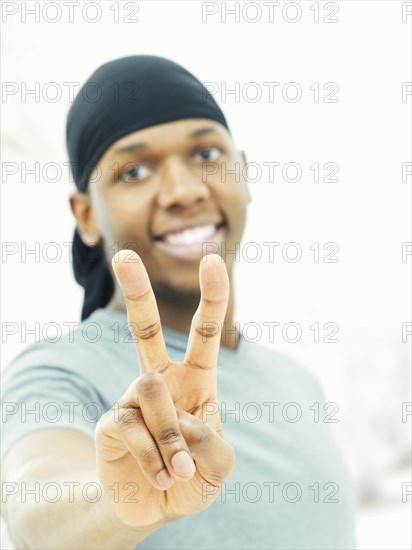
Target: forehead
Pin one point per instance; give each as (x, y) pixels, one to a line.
(168, 135)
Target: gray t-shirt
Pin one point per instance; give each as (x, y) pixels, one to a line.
(289, 488)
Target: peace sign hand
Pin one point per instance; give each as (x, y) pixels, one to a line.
(162, 448)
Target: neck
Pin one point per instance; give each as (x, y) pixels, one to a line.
(177, 315)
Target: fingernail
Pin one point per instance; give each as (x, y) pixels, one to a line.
(183, 465)
(164, 480)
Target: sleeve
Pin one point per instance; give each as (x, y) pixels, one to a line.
(37, 397)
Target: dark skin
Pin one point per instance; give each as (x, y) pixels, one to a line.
(159, 453)
(165, 185)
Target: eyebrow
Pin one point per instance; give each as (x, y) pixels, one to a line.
(138, 146)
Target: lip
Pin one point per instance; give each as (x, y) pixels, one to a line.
(197, 223)
(194, 252)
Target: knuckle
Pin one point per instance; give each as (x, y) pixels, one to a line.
(196, 365)
(149, 383)
(167, 436)
(146, 331)
(102, 425)
(213, 302)
(207, 330)
(200, 435)
(147, 454)
(138, 296)
(129, 418)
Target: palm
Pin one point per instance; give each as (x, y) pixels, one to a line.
(192, 391)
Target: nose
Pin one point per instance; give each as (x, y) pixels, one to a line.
(181, 186)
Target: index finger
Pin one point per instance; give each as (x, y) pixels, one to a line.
(142, 311)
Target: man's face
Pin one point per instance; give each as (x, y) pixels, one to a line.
(172, 192)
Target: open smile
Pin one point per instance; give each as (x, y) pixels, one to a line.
(193, 242)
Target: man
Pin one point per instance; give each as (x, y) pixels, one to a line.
(185, 447)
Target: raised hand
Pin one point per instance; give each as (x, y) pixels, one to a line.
(161, 453)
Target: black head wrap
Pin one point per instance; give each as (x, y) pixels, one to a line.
(120, 97)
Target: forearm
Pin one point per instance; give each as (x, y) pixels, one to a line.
(73, 521)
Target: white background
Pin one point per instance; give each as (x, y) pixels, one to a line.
(367, 133)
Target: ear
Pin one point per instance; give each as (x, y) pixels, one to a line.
(249, 198)
(86, 224)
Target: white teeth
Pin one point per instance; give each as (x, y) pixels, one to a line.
(191, 236)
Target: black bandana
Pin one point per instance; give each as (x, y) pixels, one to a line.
(120, 97)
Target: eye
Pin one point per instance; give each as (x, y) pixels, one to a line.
(135, 172)
(210, 154)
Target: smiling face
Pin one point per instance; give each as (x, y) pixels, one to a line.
(172, 192)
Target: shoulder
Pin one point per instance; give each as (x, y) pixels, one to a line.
(88, 354)
(61, 347)
(58, 351)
